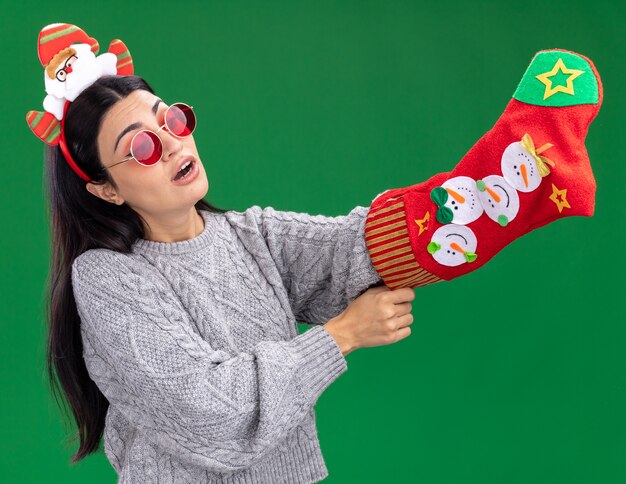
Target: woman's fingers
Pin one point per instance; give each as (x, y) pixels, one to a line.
(403, 333)
(404, 320)
(398, 296)
(403, 308)
(379, 316)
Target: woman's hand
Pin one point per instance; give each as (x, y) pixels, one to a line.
(379, 316)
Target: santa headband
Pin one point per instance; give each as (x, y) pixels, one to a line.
(68, 56)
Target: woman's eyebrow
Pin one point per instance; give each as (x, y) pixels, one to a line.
(156, 106)
(132, 126)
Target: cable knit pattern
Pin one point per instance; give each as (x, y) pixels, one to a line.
(196, 348)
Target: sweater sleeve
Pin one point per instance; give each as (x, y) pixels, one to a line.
(323, 261)
(212, 409)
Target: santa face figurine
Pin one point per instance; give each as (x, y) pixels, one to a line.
(70, 72)
(71, 64)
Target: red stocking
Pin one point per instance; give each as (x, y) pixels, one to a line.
(530, 169)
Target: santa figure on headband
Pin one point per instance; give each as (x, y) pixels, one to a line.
(71, 64)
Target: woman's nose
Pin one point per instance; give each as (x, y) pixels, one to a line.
(171, 144)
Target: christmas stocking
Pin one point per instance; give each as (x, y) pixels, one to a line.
(531, 168)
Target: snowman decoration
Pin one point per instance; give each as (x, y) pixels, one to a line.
(522, 168)
(522, 165)
(453, 245)
(457, 201)
(499, 199)
(68, 56)
(461, 200)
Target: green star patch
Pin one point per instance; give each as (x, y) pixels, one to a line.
(557, 78)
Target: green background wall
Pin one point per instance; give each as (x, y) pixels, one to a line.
(317, 107)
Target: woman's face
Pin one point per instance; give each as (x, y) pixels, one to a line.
(149, 190)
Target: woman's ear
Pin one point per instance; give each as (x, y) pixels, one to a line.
(105, 191)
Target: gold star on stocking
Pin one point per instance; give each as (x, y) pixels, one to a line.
(423, 223)
(558, 197)
(544, 78)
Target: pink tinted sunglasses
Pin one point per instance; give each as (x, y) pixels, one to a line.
(146, 148)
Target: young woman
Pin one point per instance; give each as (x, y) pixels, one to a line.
(173, 323)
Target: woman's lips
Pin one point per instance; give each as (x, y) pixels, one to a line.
(180, 164)
(191, 176)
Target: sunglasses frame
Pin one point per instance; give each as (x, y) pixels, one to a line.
(131, 157)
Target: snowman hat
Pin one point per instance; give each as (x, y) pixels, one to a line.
(56, 44)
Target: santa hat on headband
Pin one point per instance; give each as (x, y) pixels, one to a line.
(54, 38)
(68, 56)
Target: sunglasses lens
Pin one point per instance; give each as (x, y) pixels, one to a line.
(180, 119)
(146, 148)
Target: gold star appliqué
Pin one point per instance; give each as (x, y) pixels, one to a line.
(423, 223)
(562, 201)
(544, 78)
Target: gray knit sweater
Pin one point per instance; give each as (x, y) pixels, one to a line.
(196, 348)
